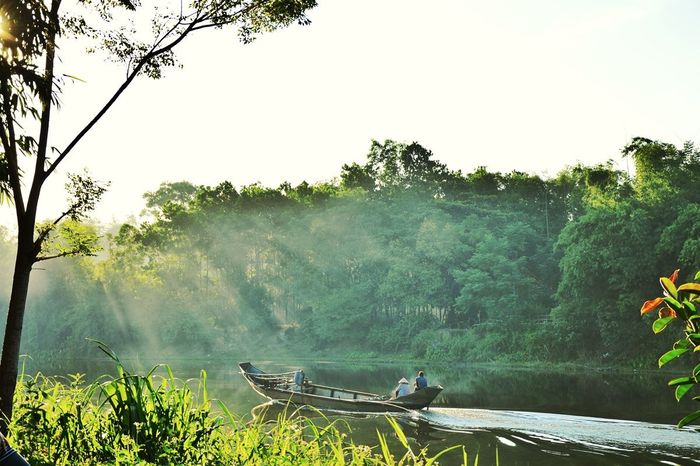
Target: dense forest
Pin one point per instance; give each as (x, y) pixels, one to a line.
(398, 256)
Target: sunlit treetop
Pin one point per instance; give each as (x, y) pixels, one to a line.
(8, 43)
(23, 27)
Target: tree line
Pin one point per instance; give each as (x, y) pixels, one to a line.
(400, 255)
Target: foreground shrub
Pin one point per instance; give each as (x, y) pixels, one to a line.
(680, 306)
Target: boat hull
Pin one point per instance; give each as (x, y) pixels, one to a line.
(332, 398)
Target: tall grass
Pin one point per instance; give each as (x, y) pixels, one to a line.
(158, 419)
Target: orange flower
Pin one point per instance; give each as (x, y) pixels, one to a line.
(674, 276)
(667, 312)
(651, 305)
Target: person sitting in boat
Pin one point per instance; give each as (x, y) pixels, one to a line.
(402, 389)
(299, 380)
(421, 382)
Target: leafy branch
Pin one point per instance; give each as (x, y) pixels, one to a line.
(679, 304)
(72, 238)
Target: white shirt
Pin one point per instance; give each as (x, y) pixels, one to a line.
(402, 389)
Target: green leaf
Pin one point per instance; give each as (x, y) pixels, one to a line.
(74, 78)
(689, 418)
(696, 371)
(668, 285)
(682, 389)
(660, 324)
(697, 276)
(399, 432)
(682, 344)
(673, 303)
(679, 381)
(690, 306)
(385, 449)
(690, 288)
(434, 458)
(671, 355)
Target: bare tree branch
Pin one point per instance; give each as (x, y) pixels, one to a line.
(60, 254)
(142, 62)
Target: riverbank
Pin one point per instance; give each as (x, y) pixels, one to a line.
(539, 365)
(97, 364)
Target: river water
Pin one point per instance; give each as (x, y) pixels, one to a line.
(507, 416)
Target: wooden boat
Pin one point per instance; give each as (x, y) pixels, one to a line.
(281, 387)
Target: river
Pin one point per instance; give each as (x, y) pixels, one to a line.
(520, 416)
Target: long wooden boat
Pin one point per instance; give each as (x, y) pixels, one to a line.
(281, 387)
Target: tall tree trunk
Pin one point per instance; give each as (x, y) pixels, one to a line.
(13, 331)
(27, 248)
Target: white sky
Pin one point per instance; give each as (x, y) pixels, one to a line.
(534, 86)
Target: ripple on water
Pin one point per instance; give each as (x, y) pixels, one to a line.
(587, 434)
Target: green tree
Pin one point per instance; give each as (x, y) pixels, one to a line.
(663, 171)
(601, 267)
(357, 176)
(179, 193)
(397, 166)
(30, 84)
(615, 219)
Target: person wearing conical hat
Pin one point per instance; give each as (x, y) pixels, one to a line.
(403, 388)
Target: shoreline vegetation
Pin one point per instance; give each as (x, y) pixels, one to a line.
(377, 359)
(159, 419)
(399, 255)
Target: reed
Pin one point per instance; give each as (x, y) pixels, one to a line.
(158, 419)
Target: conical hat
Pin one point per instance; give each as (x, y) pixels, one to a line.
(403, 380)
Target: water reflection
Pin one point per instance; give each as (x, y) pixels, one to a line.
(421, 431)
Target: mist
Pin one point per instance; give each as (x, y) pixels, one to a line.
(400, 256)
